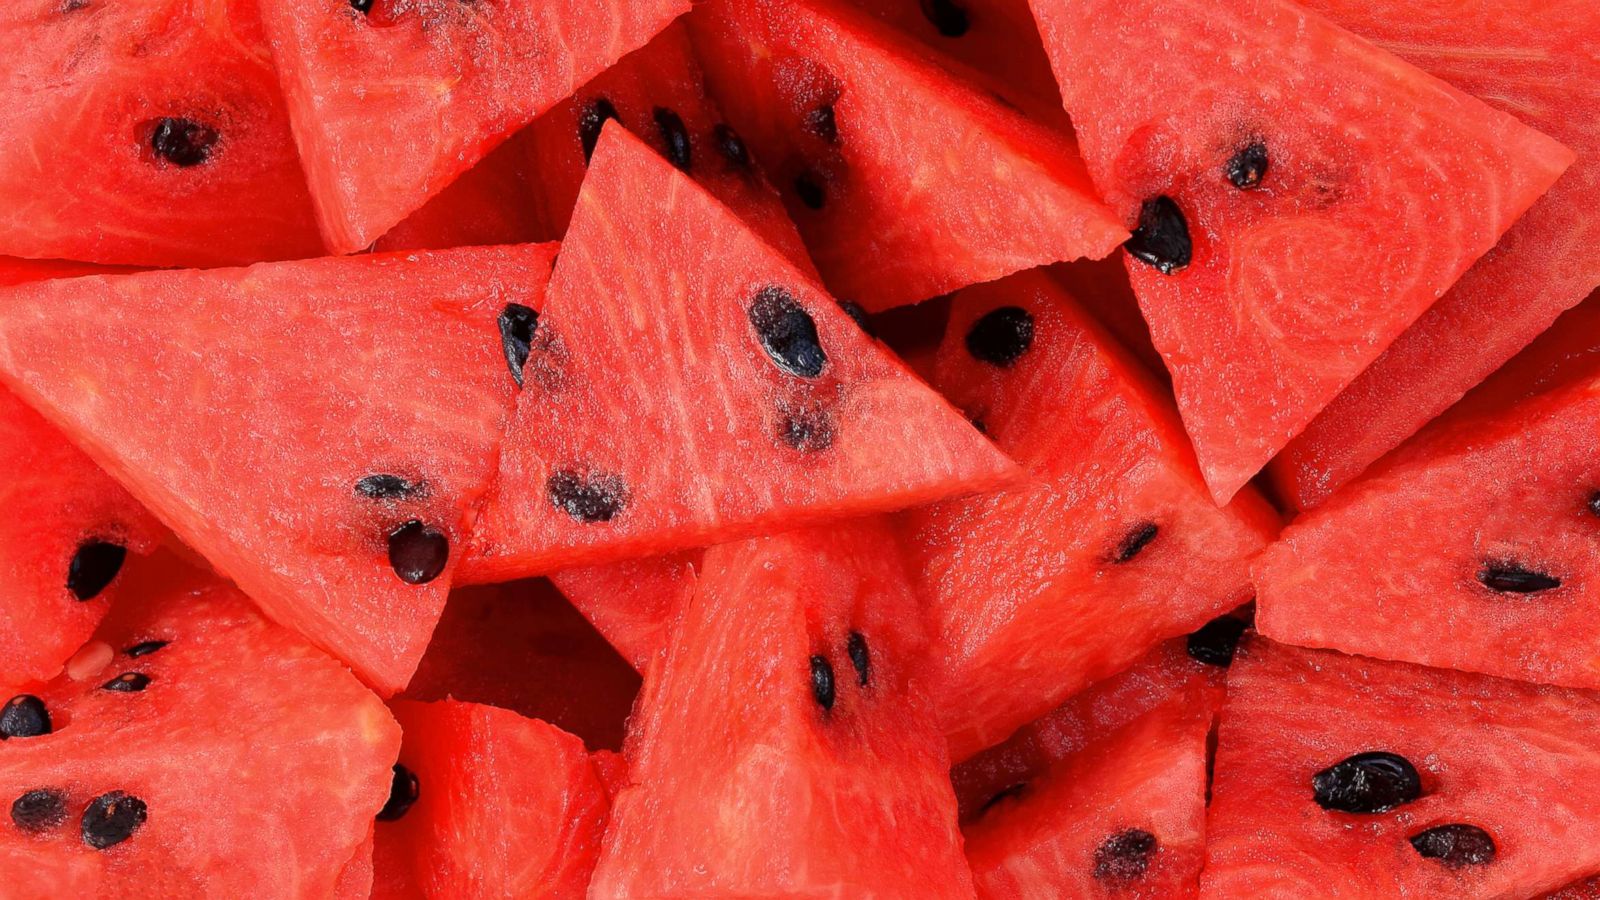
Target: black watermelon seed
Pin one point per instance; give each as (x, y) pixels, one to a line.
(73, 5)
(788, 332)
(112, 818)
(1246, 168)
(675, 137)
(1162, 237)
(1124, 857)
(93, 568)
(403, 791)
(517, 325)
(128, 683)
(1594, 503)
(1001, 336)
(860, 657)
(731, 146)
(1134, 542)
(1002, 796)
(857, 315)
(183, 142)
(1511, 578)
(418, 552)
(807, 185)
(39, 810)
(145, 648)
(1456, 845)
(588, 499)
(386, 487)
(807, 430)
(590, 121)
(822, 681)
(1372, 782)
(821, 122)
(361, 6)
(24, 716)
(1216, 641)
(946, 17)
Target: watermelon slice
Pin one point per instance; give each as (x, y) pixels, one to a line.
(491, 203)
(906, 182)
(1342, 776)
(520, 646)
(1111, 547)
(148, 133)
(1101, 286)
(1123, 817)
(334, 487)
(782, 747)
(355, 880)
(21, 271)
(500, 806)
(1300, 198)
(390, 100)
(663, 295)
(171, 766)
(1540, 66)
(632, 602)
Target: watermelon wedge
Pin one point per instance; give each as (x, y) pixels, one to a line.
(205, 734)
(355, 880)
(1540, 66)
(1113, 544)
(390, 100)
(149, 133)
(1426, 783)
(906, 181)
(1299, 198)
(662, 294)
(500, 806)
(632, 602)
(782, 747)
(491, 203)
(336, 486)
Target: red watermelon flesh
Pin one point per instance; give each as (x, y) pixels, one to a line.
(1472, 547)
(491, 203)
(782, 747)
(148, 133)
(631, 602)
(1587, 889)
(1540, 66)
(906, 181)
(1302, 197)
(332, 485)
(1124, 817)
(658, 93)
(688, 386)
(21, 271)
(520, 646)
(355, 879)
(1112, 546)
(391, 104)
(1101, 286)
(505, 807)
(235, 735)
(1516, 761)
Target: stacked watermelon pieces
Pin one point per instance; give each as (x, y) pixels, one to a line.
(796, 448)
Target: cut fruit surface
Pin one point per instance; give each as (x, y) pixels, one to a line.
(632, 602)
(1300, 197)
(491, 203)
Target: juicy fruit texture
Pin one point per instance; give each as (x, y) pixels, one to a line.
(64, 537)
(1514, 760)
(1124, 817)
(1269, 289)
(781, 745)
(520, 646)
(436, 83)
(1112, 546)
(22, 271)
(752, 401)
(246, 737)
(658, 93)
(491, 203)
(1538, 65)
(336, 485)
(1101, 286)
(1472, 547)
(505, 807)
(632, 602)
(906, 182)
(148, 133)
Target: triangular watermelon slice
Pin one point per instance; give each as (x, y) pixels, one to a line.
(205, 737)
(392, 99)
(1112, 546)
(491, 203)
(149, 133)
(686, 385)
(335, 486)
(632, 602)
(1540, 66)
(782, 747)
(1349, 777)
(906, 181)
(1299, 196)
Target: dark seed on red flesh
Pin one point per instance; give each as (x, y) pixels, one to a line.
(93, 568)
(807, 430)
(387, 487)
(1371, 782)
(822, 681)
(1001, 336)
(787, 332)
(417, 552)
(39, 810)
(587, 498)
(361, 6)
(821, 122)
(404, 790)
(144, 648)
(112, 818)
(1247, 167)
(1134, 542)
(1124, 857)
(1594, 503)
(68, 6)
(674, 137)
(24, 716)
(590, 121)
(517, 325)
(857, 315)
(946, 17)
(731, 146)
(128, 683)
(810, 190)
(860, 657)
(1455, 846)
(1511, 578)
(1216, 641)
(1162, 236)
(183, 142)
